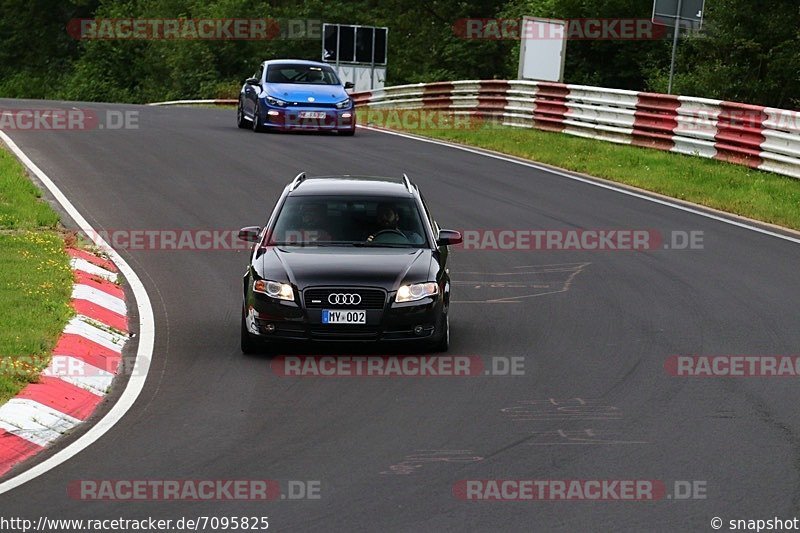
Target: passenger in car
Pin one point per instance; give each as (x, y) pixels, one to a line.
(313, 223)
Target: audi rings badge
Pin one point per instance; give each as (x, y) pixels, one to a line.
(343, 298)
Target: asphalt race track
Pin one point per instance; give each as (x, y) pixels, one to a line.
(595, 329)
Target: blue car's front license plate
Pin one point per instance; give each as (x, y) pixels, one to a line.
(312, 114)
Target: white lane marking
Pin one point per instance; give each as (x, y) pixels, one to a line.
(79, 263)
(144, 354)
(34, 421)
(588, 181)
(82, 326)
(79, 373)
(101, 298)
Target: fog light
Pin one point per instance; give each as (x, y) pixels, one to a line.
(273, 113)
(417, 330)
(346, 115)
(269, 328)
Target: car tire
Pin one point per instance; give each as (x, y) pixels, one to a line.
(241, 120)
(257, 126)
(442, 343)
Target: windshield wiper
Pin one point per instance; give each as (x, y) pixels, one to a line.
(387, 245)
(314, 243)
(358, 244)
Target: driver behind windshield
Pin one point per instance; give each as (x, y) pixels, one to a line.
(388, 223)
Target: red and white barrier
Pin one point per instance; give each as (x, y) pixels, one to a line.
(743, 134)
(85, 361)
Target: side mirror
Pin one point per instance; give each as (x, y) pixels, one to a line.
(252, 81)
(250, 233)
(349, 85)
(448, 237)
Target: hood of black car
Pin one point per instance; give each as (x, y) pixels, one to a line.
(387, 268)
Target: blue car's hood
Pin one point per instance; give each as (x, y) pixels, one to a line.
(298, 92)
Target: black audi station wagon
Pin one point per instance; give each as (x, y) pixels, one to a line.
(347, 258)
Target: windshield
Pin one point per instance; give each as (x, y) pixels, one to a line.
(346, 221)
(304, 74)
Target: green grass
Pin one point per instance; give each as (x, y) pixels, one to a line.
(20, 204)
(35, 279)
(736, 189)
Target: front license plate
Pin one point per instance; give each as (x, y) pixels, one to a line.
(312, 114)
(334, 316)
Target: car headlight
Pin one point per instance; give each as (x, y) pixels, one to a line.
(343, 104)
(276, 102)
(273, 289)
(417, 291)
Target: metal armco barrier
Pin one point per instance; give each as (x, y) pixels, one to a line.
(755, 136)
(218, 101)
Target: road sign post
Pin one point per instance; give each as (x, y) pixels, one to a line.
(676, 13)
(675, 37)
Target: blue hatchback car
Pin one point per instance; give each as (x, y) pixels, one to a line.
(289, 94)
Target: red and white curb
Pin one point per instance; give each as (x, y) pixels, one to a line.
(84, 363)
(141, 362)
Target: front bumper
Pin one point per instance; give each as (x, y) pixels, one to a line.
(292, 118)
(274, 320)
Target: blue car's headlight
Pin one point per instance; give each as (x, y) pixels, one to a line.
(343, 104)
(276, 102)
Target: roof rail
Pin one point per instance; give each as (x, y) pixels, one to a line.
(408, 183)
(300, 178)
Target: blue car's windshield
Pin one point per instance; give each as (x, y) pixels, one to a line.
(307, 74)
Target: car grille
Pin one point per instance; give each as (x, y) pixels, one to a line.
(370, 298)
(344, 333)
(312, 104)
